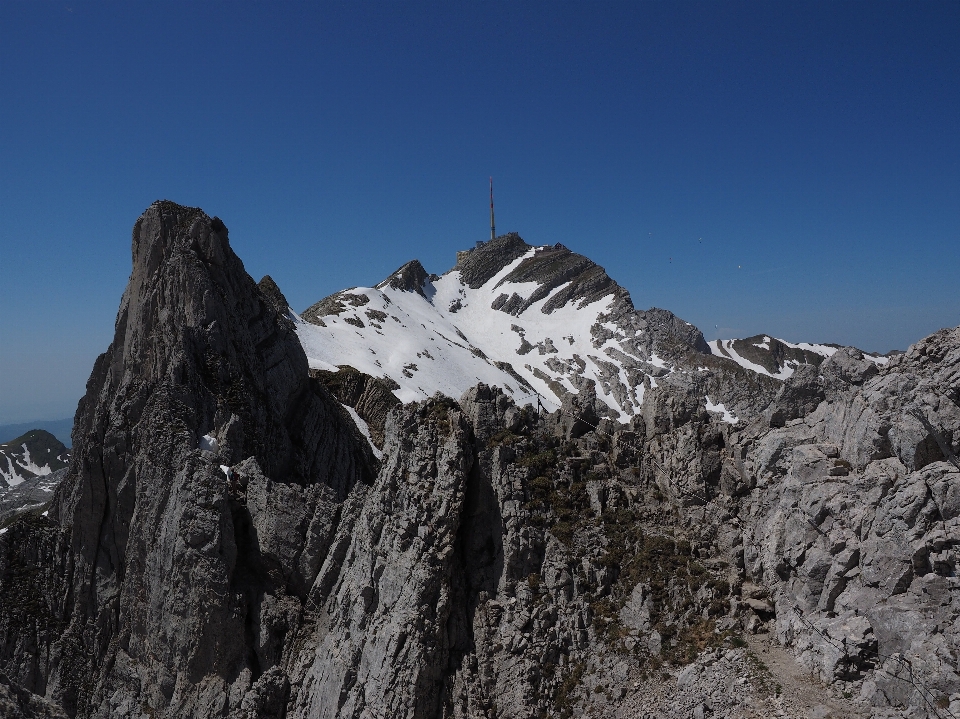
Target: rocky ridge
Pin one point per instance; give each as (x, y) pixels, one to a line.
(227, 544)
(778, 358)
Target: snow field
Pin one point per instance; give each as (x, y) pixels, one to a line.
(449, 342)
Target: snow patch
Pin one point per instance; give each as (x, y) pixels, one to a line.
(28, 464)
(724, 348)
(728, 416)
(823, 350)
(364, 429)
(208, 443)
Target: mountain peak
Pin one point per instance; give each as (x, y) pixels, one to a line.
(478, 265)
(272, 292)
(411, 277)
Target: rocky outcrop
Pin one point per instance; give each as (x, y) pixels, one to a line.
(371, 397)
(332, 305)
(271, 291)
(409, 278)
(17, 703)
(156, 566)
(668, 329)
(854, 525)
(479, 265)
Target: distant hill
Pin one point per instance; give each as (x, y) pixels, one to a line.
(36, 453)
(59, 428)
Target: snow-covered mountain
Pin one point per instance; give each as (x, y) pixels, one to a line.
(538, 322)
(34, 454)
(528, 319)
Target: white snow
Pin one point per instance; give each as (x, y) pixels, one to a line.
(426, 347)
(824, 350)
(656, 361)
(209, 443)
(225, 468)
(4, 530)
(16, 469)
(728, 416)
(364, 429)
(724, 348)
(12, 478)
(28, 464)
(451, 339)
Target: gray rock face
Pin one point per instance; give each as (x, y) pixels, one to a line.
(664, 324)
(800, 395)
(371, 397)
(17, 703)
(155, 565)
(380, 640)
(845, 367)
(857, 528)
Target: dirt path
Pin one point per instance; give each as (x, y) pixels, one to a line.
(758, 680)
(801, 695)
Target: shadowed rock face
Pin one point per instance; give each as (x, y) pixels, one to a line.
(409, 278)
(371, 397)
(272, 292)
(170, 569)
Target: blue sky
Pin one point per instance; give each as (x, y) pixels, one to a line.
(787, 168)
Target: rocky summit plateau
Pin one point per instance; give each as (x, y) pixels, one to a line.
(500, 492)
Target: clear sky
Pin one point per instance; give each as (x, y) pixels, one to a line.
(786, 168)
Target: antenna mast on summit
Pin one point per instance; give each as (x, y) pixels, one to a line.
(493, 227)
